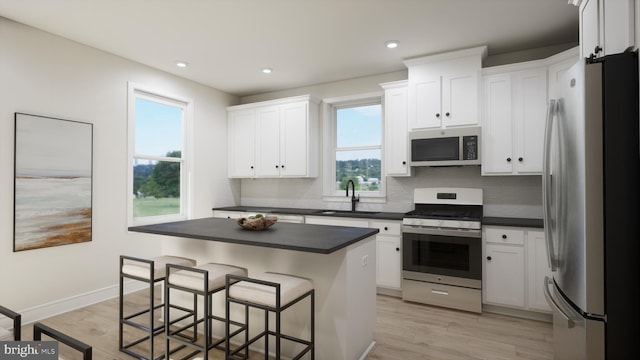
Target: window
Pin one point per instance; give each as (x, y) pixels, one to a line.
(158, 160)
(356, 132)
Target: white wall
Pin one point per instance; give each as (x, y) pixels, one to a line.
(47, 75)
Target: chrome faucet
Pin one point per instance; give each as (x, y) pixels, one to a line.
(354, 200)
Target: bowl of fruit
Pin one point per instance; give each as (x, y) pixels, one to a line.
(257, 222)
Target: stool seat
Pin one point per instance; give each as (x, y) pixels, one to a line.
(291, 288)
(141, 270)
(195, 281)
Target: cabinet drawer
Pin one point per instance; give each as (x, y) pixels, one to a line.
(387, 228)
(504, 236)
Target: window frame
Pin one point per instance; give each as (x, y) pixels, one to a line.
(330, 105)
(136, 91)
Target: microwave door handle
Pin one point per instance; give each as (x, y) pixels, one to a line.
(547, 188)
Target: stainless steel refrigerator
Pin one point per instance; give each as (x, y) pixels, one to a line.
(591, 182)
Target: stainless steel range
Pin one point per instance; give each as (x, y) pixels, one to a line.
(442, 248)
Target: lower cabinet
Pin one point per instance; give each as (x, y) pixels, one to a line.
(388, 246)
(515, 264)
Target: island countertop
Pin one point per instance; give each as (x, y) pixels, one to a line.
(321, 239)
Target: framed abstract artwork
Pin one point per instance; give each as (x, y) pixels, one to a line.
(53, 173)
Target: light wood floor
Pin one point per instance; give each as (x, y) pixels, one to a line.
(404, 331)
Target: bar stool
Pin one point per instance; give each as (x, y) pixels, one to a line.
(203, 280)
(270, 292)
(150, 271)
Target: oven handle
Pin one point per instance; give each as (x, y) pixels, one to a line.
(439, 231)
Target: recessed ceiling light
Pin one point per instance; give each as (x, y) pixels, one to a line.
(267, 70)
(181, 64)
(392, 44)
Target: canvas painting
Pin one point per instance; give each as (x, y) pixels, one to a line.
(53, 182)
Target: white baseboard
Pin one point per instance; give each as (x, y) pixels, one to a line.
(61, 306)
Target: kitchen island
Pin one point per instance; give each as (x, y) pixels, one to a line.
(339, 260)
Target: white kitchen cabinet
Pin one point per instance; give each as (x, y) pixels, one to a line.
(558, 66)
(283, 138)
(388, 246)
(515, 265)
(537, 269)
(514, 104)
(504, 268)
(606, 26)
(336, 221)
(388, 254)
(443, 89)
(241, 129)
(396, 146)
(224, 214)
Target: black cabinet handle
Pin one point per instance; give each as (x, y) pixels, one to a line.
(404, 163)
(397, 249)
(437, 115)
(447, 114)
(386, 228)
(597, 49)
(504, 236)
(252, 166)
(276, 166)
(520, 159)
(508, 159)
(282, 166)
(489, 258)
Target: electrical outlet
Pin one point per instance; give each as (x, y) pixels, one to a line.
(365, 260)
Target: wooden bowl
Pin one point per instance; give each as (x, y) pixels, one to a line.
(261, 223)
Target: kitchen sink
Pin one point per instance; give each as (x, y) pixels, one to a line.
(345, 212)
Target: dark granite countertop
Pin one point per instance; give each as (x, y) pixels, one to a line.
(315, 212)
(321, 239)
(515, 222)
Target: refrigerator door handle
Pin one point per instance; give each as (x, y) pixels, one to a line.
(554, 305)
(547, 190)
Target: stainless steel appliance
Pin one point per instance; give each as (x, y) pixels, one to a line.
(442, 248)
(445, 147)
(591, 181)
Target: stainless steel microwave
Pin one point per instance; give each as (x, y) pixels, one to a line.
(445, 147)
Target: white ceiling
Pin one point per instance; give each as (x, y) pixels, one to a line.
(228, 42)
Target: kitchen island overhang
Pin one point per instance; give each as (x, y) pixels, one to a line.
(341, 262)
(322, 239)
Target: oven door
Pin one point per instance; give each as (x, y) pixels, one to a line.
(456, 253)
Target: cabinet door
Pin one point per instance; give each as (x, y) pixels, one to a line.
(388, 261)
(504, 270)
(460, 100)
(396, 133)
(589, 27)
(241, 137)
(530, 113)
(427, 103)
(619, 26)
(496, 125)
(294, 135)
(268, 141)
(538, 268)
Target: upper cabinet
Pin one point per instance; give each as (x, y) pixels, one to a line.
(513, 119)
(514, 112)
(275, 138)
(396, 148)
(606, 26)
(443, 89)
